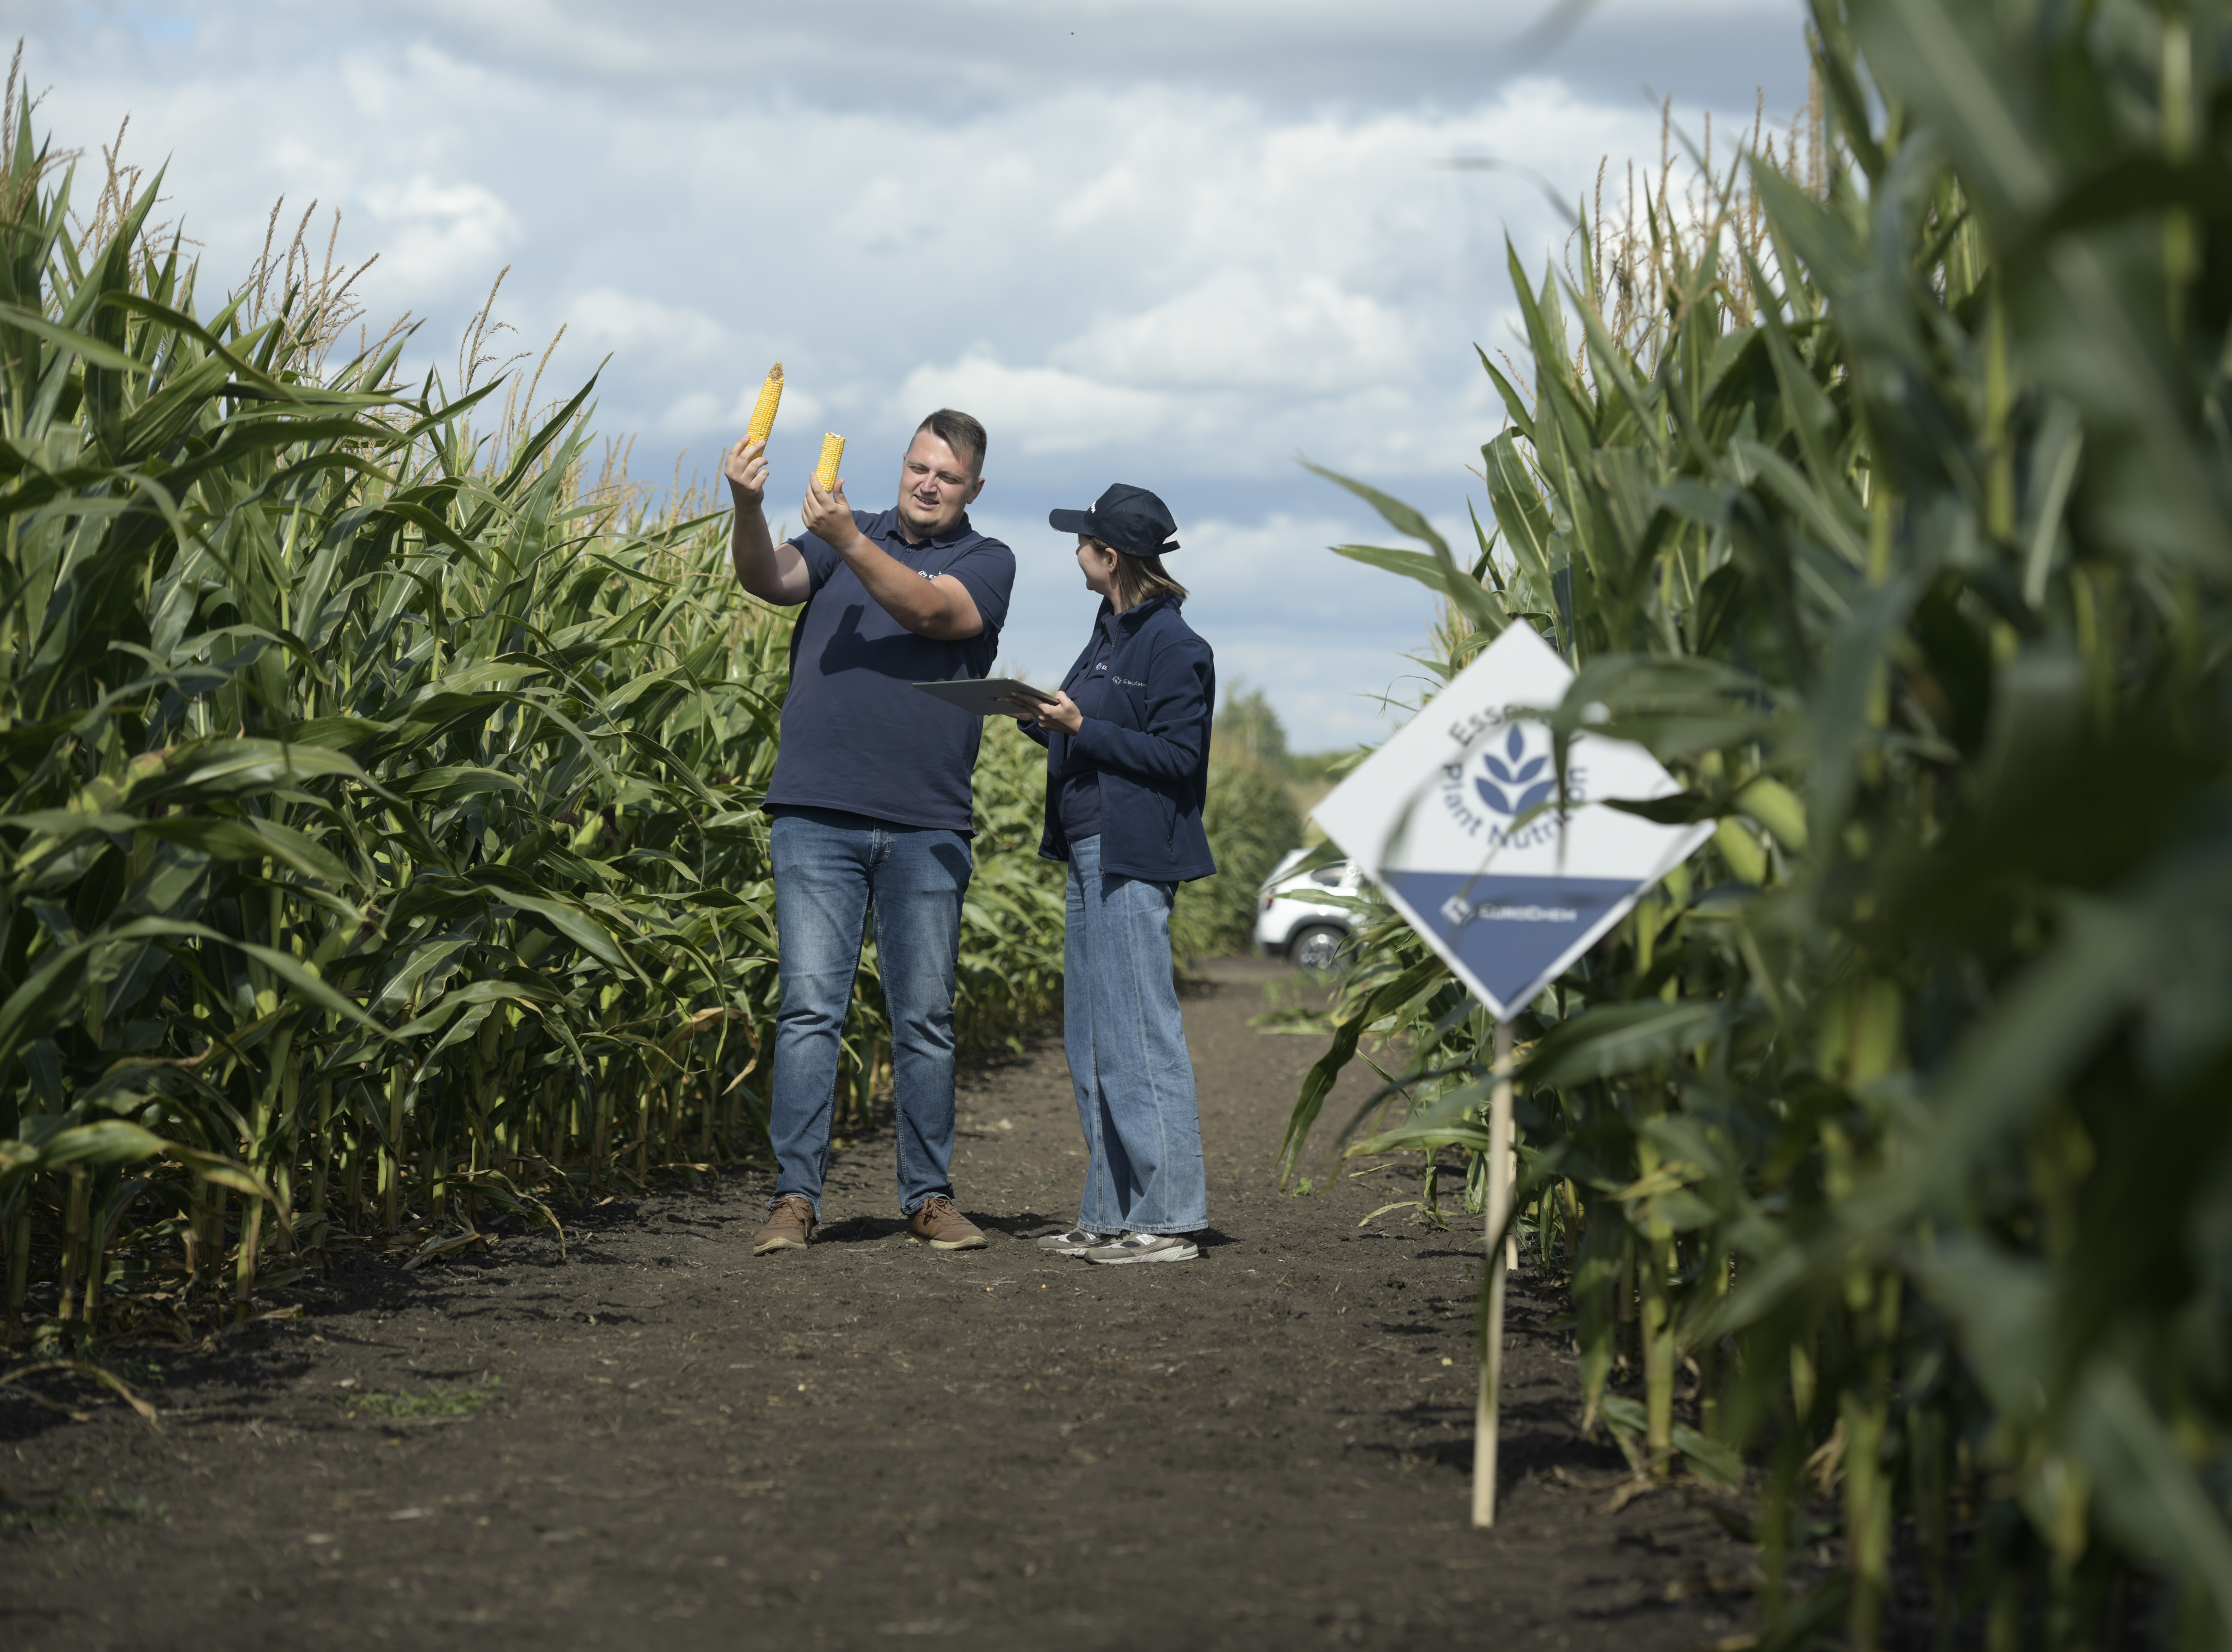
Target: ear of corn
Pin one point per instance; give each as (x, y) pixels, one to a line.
(763, 410)
(833, 454)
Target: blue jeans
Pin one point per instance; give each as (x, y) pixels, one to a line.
(830, 868)
(1127, 1055)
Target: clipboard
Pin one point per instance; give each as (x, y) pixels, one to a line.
(988, 696)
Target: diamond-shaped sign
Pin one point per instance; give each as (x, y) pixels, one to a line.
(1457, 819)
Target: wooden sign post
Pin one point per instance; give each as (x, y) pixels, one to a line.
(1495, 1256)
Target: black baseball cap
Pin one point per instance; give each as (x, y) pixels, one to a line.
(1124, 518)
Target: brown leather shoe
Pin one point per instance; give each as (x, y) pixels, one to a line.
(938, 1225)
(789, 1225)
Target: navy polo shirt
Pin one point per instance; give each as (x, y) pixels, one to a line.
(856, 735)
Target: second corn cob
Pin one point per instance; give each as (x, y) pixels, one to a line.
(833, 452)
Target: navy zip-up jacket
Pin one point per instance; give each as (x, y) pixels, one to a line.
(1148, 744)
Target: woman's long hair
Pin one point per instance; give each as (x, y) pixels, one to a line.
(1139, 578)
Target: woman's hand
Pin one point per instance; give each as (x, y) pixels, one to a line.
(1061, 713)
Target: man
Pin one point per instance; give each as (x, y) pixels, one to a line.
(870, 806)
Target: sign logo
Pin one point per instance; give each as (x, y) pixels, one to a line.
(1507, 782)
(1514, 788)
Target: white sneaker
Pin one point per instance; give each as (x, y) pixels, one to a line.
(1147, 1247)
(1075, 1242)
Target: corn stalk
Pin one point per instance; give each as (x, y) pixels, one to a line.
(1900, 527)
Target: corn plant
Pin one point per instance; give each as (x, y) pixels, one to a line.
(1012, 920)
(380, 840)
(1887, 1141)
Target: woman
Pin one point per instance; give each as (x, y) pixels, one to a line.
(1127, 769)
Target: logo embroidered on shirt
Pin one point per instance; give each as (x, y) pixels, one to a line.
(1129, 683)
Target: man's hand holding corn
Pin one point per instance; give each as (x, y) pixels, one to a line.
(745, 467)
(828, 513)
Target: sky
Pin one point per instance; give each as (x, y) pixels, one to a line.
(1180, 244)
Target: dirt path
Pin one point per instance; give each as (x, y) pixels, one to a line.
(872, 1443)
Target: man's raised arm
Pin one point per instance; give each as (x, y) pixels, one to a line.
(941, 609)
(772, 573)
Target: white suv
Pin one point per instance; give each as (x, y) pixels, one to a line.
(1290, 923)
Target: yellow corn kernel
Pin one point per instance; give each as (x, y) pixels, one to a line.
(763, 410)
(832, 453)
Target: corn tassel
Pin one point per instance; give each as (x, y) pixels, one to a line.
(833, 452)
(763, 410)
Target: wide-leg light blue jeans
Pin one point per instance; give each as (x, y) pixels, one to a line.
(831, 870)
(1127, 1056)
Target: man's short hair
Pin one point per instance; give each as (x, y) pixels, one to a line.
(960, 432)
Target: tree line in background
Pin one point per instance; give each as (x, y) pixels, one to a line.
(1885, 494)
(1253, 818)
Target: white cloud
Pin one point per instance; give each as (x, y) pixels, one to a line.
(1299, 50)
(436, 237)
(609, 319)
(694, 412)
(1180, 246)
(1238, 331)
(1041, 410)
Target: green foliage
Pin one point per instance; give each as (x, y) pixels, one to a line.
(1251, 821)
(1011, 939)
(1321, 767)
(380, 806)
(1248, 730)
(1902, 532)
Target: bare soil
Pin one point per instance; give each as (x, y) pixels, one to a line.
(871, 1443)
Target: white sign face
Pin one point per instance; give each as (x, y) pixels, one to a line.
(1434, 818)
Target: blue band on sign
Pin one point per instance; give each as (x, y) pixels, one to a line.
(1512, 932)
